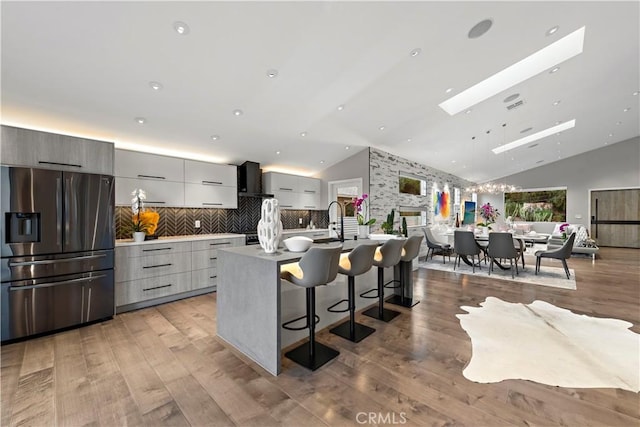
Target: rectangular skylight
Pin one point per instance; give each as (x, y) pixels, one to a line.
(544, 59)
(534, 137)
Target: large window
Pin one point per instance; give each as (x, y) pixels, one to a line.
(536, 205)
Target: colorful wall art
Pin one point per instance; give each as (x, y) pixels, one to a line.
(441, 204)
(469, 213)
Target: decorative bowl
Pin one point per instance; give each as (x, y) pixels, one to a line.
(383, 237)
(298, 243)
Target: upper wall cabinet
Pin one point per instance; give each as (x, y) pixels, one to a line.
(293, 192)
(133, 164)
(175, 182)
(31, 148)
(210, 185)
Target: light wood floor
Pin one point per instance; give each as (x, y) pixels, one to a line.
(165, 366)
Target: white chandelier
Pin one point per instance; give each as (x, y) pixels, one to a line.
(492, 188)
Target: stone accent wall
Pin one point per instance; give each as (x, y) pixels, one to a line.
(383, 186)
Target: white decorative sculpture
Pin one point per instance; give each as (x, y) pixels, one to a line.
(270, 226)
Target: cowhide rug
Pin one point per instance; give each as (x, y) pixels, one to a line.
(550, 345)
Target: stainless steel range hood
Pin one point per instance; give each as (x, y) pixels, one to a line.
(250, 180)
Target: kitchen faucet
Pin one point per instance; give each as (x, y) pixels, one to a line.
(341, 234)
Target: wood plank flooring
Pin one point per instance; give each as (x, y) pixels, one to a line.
(165, 366)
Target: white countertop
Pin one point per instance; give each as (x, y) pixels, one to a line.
(188, 238)
(303, 230)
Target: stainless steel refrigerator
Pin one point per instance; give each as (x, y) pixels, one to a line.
(57, 241)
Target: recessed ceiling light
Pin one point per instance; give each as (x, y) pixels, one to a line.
(321, 161)
(511, 97)
(556, 103)
(408, 139)
(468, 112)
(416, 51)
(448, 90)
(340, 107)
(480, 29)
(346, 148)
(557, 52)
(215, 137)
(140, 120)
(636, 93)
(237, 112)
(381, 128)
(552, 30)
(610, 135)
(627, 109)
(277, 152)
(181, 28)
(539, 161)
(534, 137)
(156, 85)
(453, 161)
(272, 73)
(553, 70)
(558, 142)
(526, 130)
(558, 122)
(618, 123)
(303, 134)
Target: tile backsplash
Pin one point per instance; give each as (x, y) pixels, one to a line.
(181, 221)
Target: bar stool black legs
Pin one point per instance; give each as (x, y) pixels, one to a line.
(380, 312)
(351, 330)
(311, 354)
(403, 270)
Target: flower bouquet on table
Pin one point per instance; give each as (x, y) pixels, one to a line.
(563, 229)
(489, 214)
(143, 221)
(362, 211)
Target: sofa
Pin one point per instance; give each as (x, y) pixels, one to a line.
(583, 244)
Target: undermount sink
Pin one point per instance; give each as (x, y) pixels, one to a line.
(326, 240)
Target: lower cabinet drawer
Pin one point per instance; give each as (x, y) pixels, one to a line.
(204, 278)
(153, 266)
(146, 289)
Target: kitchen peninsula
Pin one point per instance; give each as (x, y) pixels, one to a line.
(253, 302)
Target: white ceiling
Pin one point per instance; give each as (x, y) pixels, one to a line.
(84, 69)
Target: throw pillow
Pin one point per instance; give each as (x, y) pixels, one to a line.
(582, 235)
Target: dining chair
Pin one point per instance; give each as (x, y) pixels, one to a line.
(434, 246)
(501, 246)
(464, 244)
(563, 253)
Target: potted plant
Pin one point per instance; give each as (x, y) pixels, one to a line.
(139, 226)
(387, 226)
(489, 214)
(362, 211)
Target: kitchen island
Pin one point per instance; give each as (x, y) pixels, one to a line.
(253, 302)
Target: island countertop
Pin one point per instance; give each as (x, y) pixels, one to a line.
(253, 301)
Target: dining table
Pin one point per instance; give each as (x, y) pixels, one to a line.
(483, 241)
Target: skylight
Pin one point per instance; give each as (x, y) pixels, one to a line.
(536, 136)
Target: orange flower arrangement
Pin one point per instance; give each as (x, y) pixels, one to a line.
(150, 220)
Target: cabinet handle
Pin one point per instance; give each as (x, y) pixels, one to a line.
(310, 191)
(54, 261)
(212, 204)
(285, 189)
(151, 176)
(156, 249)
(157, 203)
(211, 182)
(213, 258)
(88, 304)
(217, 244)
(286, 206)
(59, 164)
(309, 206)
(157, 287)
(318, 235)
(156, 266)
(212, 277)
(64, 282)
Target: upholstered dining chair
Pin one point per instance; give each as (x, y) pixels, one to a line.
(563, 253)
(501, 246)
(434, 246)
(464, 244)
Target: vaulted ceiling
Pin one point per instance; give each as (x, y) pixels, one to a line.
(312, 78)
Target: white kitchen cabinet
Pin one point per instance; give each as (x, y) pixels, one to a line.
(210, 173)
(210, 196)
(134, 164)
(31, 148)
(292, 191)
(159, 193)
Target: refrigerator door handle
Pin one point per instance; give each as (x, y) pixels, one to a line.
(64, 282)
(82, 305)
(55, 261)
(58, 211)
(88, 304)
